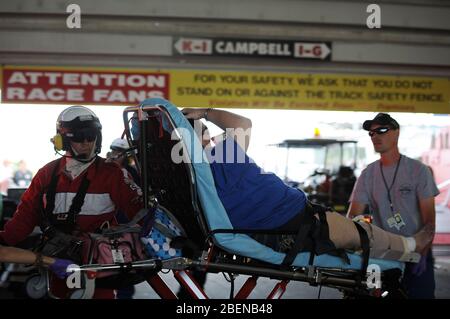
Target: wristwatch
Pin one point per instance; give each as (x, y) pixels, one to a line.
(39, 261)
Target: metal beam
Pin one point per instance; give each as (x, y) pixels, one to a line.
(391, 53)
(398, 14)
(148, 45)
(214, 28)
(84, 43)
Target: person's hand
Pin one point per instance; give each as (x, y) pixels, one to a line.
(358, 218)
(362, 219)
(195, 114)
(419, 268)
(59, 267)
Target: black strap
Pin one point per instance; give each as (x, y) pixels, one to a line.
(365, 245)
(78, 200)
(312, 255)
(324, 229)
(326, 245)
(298, 244)
(75, 207)
(50, 196)
(300, 239)
(324, 233)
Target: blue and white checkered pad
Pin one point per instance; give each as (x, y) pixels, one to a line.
(217, 217)
(156, 243)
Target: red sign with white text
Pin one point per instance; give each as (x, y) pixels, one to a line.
(77, 86)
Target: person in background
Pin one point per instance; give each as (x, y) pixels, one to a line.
(121, 155)
(22, 176)
(399, 192)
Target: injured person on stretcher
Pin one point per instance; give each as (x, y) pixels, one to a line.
(257, 200)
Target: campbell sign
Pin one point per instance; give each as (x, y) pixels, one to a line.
(253, 48)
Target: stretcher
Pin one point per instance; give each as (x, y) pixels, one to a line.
(176, 173)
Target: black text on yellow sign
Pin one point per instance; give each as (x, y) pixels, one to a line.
(312, 91)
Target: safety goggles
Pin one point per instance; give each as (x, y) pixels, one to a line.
(80, 136)
(379, 131)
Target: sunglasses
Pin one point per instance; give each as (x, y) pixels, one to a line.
(83, 135)
(379, 131)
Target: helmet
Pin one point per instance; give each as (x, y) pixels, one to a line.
(120, 144)
(77, 123)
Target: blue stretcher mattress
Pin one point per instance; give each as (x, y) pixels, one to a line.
(217, 218)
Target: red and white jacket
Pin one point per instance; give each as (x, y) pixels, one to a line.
(111, 188)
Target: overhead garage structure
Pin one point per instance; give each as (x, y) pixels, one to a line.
(247, 54)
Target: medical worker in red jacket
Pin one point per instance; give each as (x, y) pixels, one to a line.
(79, 136)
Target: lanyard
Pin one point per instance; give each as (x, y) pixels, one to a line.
(392, 184)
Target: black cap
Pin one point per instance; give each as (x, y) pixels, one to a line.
(381, 119)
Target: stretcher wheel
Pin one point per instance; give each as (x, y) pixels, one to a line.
(36, 286)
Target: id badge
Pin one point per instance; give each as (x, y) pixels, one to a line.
(117, 256)
(396, 221)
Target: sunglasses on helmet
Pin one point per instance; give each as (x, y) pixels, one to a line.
(379, 131)
(82, 135)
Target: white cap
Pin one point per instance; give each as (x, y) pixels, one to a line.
(120, 144)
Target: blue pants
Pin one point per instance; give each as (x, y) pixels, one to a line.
(420, 287)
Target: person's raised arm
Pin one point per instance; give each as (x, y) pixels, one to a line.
(236, 125)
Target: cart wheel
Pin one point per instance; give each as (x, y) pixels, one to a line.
(36, 286)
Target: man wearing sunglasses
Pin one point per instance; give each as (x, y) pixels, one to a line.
(78, 193)
(399, 193)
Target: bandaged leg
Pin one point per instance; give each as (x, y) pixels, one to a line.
(385, 245)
